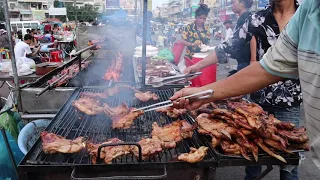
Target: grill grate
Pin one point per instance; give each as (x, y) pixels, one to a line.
(70, 123)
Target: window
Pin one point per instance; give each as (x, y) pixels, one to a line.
(12, 5)
(14, 27)
(19, 25)
(26, 25)
(34, 26)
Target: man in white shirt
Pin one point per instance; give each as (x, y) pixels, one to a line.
(22, 49)
(229, 31)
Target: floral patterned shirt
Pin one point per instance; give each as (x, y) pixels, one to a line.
(191, 34)
(264, 27)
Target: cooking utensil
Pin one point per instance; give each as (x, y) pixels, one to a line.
(167, 80)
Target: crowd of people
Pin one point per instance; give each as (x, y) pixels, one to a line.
(274, 47)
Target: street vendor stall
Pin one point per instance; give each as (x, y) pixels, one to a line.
(110, 121)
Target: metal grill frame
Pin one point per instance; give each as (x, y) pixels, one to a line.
(31, 160)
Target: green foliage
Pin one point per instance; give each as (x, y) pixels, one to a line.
(85, 13)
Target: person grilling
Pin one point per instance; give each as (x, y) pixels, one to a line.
(283, 98)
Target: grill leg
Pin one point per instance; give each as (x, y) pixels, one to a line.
(265, 172)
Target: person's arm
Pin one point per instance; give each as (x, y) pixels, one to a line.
(280, 61)
(253, 50)
(185, 37)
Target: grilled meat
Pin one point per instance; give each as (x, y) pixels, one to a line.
(276, 145)
(234, 149)
(297, 135)
(172, 133)
(172, 112)
(125, 121)
(116, 111)
(52, 143)
(108, 153)
(195, 155)
(259, 142)
(114, 70)
(149, 147)
(146, 96)
(88, 106)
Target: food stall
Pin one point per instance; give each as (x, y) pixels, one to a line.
(104, 125)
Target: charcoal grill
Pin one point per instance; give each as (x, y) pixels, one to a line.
(71, 123)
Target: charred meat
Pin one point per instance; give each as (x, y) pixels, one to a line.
(172, 112)
(146, 96)
(116, 111)
(149, 147)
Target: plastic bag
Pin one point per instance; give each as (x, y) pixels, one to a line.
(166, 54)
(12, 123)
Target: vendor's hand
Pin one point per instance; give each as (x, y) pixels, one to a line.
(197, 43)
(192, 69)
(185, 103)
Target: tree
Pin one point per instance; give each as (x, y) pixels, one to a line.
(85, 13)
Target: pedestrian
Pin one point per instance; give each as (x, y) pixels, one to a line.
(196, 33)
(229, 32)
(296, 53)
(4, 39)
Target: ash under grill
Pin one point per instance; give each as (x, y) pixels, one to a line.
(71, 124)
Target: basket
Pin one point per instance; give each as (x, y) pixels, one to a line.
(30, 134)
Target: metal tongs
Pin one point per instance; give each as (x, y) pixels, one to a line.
(200, 95)
(167, 80)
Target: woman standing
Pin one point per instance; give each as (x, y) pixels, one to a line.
(196, 33)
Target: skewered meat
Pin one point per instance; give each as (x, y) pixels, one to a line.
(125, 121)
(149, 147)
(116, 111)
(195, 155)
(172, 112)
(297, 135)
(114, 70)
(108, 153)
(88, 106)
(146, 96)
(52, 143)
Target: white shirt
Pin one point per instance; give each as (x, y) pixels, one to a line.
(229, 34)
(21, 50)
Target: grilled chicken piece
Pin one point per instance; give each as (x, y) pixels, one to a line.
(195, 155)
(282, 125)
(234, 148)
(276, 145)
(172, 112)
(116, 111)
(125, 121)
(88, 106)
(259, 142)
(149, 146)
(172, 133)
(52, 143)
(168, 133)
(297, 135)
(214, 127)
(238, 119)
(146, 96)
(304, 146)
(103, 95)
(215, 142)
(251, 108)
(108, 153)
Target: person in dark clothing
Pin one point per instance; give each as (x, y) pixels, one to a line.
(240, 7)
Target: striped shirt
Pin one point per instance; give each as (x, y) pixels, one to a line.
(297, 54)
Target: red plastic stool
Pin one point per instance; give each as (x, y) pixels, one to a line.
(56, 56)
(209, 74)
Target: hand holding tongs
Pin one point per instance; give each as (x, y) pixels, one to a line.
(200, 95)
(166, 80)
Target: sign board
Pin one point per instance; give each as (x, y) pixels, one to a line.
(57, 11)
(38, 15)
(262, 4)
(127, 4)
(112, 3)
